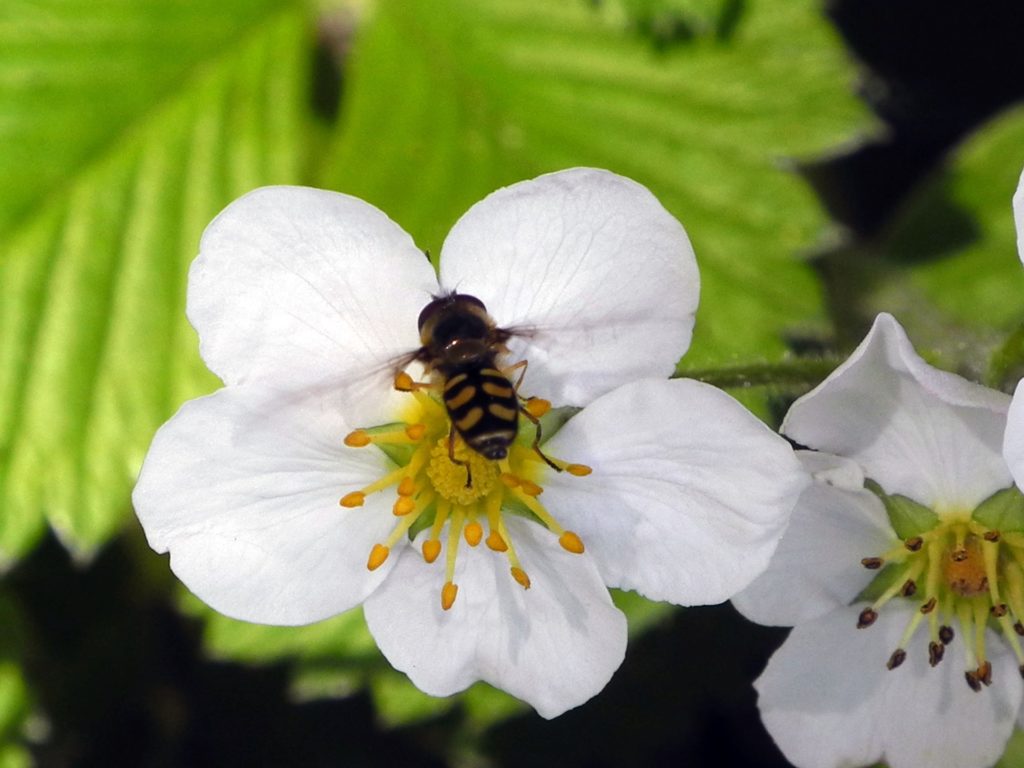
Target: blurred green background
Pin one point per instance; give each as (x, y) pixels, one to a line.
(828, 162)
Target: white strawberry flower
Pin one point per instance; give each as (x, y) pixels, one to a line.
(675, 490)
(902, 571)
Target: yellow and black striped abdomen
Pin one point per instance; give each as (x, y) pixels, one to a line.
(484, 409)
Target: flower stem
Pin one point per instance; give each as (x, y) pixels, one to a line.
(804, 372)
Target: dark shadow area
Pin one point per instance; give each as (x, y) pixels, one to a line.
(683, 696)
(121, 680)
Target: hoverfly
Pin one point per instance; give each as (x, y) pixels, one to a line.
(461, 345)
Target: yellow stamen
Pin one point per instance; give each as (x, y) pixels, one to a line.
(473, 532)
(354, 499)
(496, 542)
(580, 470)
(521, 578)
(378, 555)
(404, 382)
(537, 406)
(357, 439)
(571, 542)
(448, 593)
(530, 488)
(407, 487)
(403, 506)
(510, 480)
(416, 431)
(431, 549)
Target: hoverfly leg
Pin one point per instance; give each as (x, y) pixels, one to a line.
(537, 437)
(521, 367)
(460, 462)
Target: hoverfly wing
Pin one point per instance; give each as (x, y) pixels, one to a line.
(368, 398)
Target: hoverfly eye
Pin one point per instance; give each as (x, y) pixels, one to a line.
(469, 300)
(430, 310)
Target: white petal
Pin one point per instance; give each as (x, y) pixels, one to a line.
(595, 264)
(554, 645)
(689, 493)
(242, 488)
(828, 700)
(296, 286)
(916, 430)
(816, 568)
(1018, 215)
(1013, 442)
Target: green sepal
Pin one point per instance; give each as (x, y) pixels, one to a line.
(1002, 511)
(907, 517)
(882, 581)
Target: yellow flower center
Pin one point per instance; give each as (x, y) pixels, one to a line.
(439, 479)
(450, 474)
(959, 572)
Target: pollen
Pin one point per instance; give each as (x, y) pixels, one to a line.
(452, 493)
(450, 478)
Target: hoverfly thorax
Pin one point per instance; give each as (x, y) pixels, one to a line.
(456, 333)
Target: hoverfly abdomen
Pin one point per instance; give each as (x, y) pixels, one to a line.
(484, 409)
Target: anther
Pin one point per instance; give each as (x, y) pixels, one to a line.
(496, 542)
(991, 536)
(537, 406)
(403, 506)
(571, 542)
(935, 653)
(958, 555)
(448, 593)
(985, 672)
(1019, 629)
(929, 605)
(416, 431)
(867, 618)
(908, 588)
(946, 634)
(530, 488)
(407, 487)
(510, 480)
(403, 382)
(431, 549)
(357, 439)
(378, 555)
(354, 499)
(872, 563)
(521, 578)
(972, 680)
(998, 611)
(913, 543)
(1021, 670)
(473, 533)
(579, 470)
(897, 658)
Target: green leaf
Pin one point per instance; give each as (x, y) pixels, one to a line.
(126, 126)
(957, 236)
(1013, 757)
(15, 696)
(1002, 511)
(908, 518)
(341, 637)
(493, 91)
